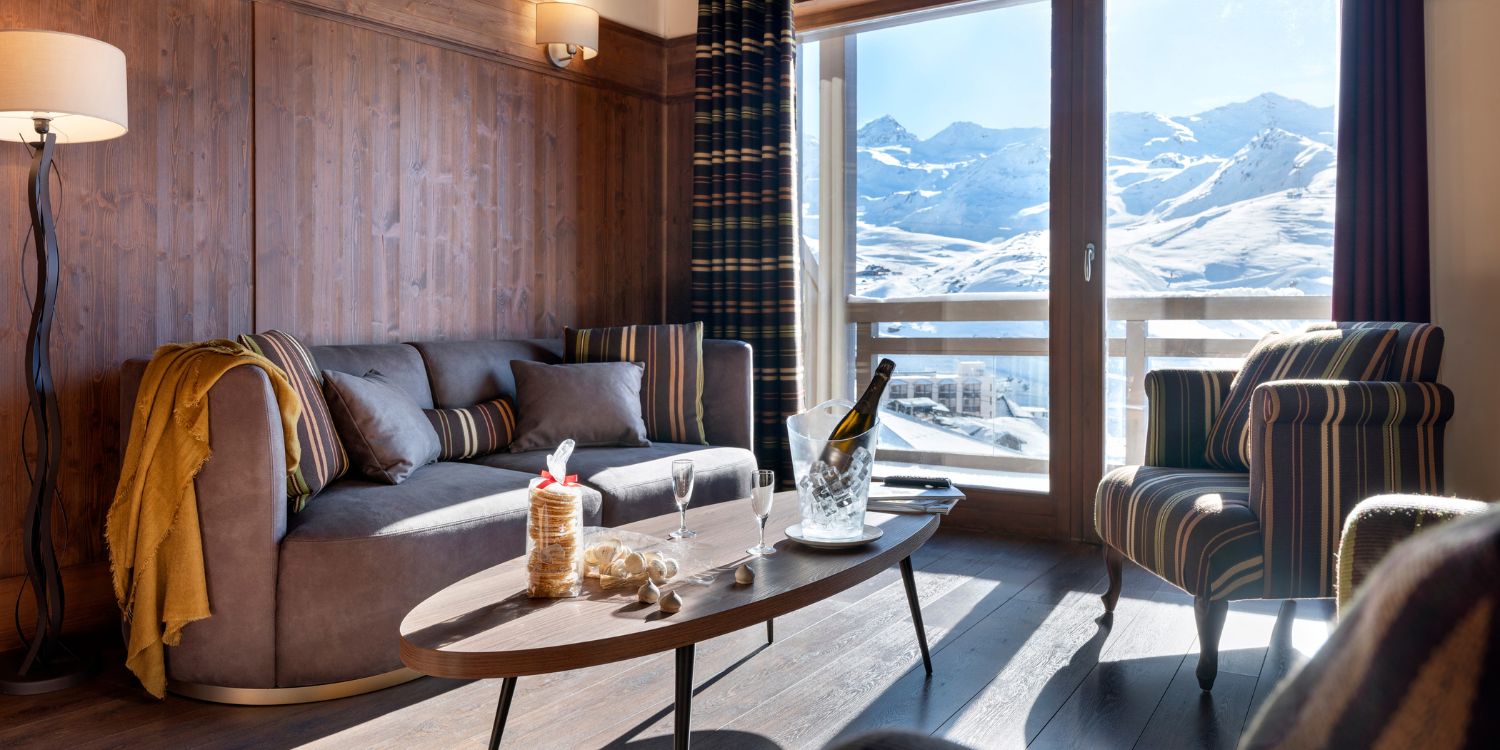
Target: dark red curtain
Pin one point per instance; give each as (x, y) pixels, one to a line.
(1380, 263)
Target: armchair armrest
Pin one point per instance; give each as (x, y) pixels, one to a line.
(1378, 524)
(1317, 447)
(1183, 405)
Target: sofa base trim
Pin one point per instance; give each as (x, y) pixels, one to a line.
(289, 695)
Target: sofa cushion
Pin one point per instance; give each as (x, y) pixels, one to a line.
(399, 363)
(475, 431)
(1337, 354)
(464, 373)
(321, 458)
(595, 404)
(637, 482)
(355, 562)
(384, 431)
(1192, 527)
(672, 386)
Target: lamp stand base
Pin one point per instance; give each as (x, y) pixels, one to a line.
(63, 671)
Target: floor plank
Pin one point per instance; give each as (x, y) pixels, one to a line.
(1021, 658)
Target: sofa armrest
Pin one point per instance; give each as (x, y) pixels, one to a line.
(1183, 406)
(1317, 447)
(242, 510)
(1378, 524)
(727, 416)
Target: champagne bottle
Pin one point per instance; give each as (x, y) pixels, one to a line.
(859, 420)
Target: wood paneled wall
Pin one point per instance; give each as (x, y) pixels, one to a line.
(365, 171)
(444, 194)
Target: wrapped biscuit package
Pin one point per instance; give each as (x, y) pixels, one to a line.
(554, 531)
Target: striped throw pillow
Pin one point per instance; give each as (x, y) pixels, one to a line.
(1343, 354)
(476, 431)
(672, 389)
(323, 456)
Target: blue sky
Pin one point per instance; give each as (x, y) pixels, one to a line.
(1175, 57)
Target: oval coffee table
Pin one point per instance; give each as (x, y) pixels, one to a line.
(485, 626)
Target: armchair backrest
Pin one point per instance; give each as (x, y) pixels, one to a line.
(1418, 352)
(1320, 447)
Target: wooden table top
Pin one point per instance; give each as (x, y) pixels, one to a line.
(485, 626)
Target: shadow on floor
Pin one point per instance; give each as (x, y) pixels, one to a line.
(1146, 701)
(726, 738)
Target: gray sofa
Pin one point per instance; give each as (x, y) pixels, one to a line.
(307, 607)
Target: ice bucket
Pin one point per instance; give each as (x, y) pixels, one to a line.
(832, 487)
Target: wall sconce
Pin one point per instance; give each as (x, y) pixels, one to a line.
(567, 29)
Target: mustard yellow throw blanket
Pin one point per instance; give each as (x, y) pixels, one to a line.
(155, 544)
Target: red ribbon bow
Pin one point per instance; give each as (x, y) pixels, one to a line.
(570, 480)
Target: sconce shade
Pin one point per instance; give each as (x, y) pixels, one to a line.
(76, 82)
(568, 23)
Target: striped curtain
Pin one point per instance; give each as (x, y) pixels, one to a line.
(744, 272)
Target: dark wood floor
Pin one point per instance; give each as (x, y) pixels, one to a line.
(1020, 662)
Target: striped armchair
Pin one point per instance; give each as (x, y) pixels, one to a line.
(1314, 448)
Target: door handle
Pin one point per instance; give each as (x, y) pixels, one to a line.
(1088, 262)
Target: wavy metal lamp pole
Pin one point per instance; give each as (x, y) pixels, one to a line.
(52, 84)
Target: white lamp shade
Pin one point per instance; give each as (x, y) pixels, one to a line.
(568, 23)
(76, 82)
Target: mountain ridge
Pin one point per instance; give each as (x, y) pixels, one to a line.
(1208, 201)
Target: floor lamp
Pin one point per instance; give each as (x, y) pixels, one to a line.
(69, 88)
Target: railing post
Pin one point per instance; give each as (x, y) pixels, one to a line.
(864, 351)
(1135, 391)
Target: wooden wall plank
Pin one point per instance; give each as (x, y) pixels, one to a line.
(91, 602)
(677, 216)
(677, 181)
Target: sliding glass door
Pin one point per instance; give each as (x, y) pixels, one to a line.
(925, 210)
(1220, 186)
(971, 211)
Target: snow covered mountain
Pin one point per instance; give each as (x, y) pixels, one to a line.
(1236, 199)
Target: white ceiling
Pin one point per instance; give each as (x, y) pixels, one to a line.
(664, 18)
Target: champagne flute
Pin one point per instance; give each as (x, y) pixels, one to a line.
(762, 494)
(682, 489)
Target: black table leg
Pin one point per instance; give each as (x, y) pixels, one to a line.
(507, 691)
(682, 721)
(910, 580)
(771, 630)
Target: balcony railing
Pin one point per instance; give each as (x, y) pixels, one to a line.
(1136, 347)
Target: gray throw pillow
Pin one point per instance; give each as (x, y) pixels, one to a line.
(595, 404)
(383, 429)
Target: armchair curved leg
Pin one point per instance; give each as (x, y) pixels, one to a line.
(1210, 615)
(1114, 562)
